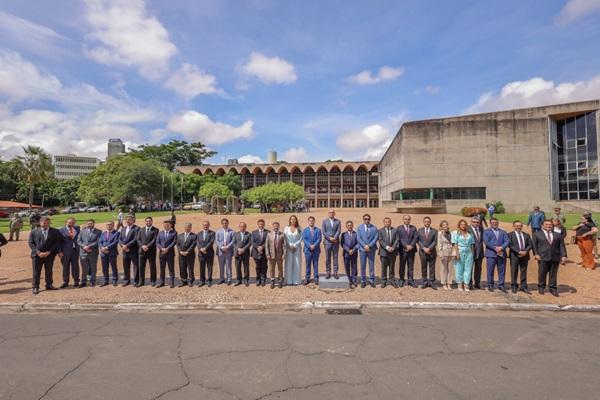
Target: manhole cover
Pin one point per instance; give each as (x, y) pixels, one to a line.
(343, 311)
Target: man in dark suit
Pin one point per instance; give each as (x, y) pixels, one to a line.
(3, 242)
(520, 247)
(427, 241)
(146, 240)
(45, 243)
(476, 230)
(108, 244)
(259, 240)
(165, 244)
(496, 242)
(349, 243)
(549, 249)
(69, 253)
(388, 250)
(130, 249)
(408, 249)
(241, 253)
(205, 240)
(186, 244)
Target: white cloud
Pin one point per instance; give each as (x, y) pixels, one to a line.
(576, 9)
(536, 92)
(270, 70)
(429, 89)
(195, 126)
(370, 136)
(296, 154)
(28, 35)
(190, 82)
(385, 73)
(124, 34)
(250, 159)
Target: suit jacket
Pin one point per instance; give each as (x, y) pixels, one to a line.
(187, 245)
(223, 238)
(257, 241)
(429, 242)
(68, 244)
(89, 238)
(349, 241)
(478, 246)
(166, 240)
(147, 239)
(275, 252)
(385, 240)
(207, 243)
(309, 240)
(3, 241)
(129, 240)
(367, 236)
(514, 244)
(549, 251)
(491, 241)
(111, 242)
(242, 243)
(329, 231)
(52, 243)
(408, 237)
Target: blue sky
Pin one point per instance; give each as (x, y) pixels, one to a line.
(313, 79)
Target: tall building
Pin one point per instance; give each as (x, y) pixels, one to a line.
(542, 156)
(71, 166)
(326, 184)
(115, 146)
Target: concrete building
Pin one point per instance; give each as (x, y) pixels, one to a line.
(326, 184)
(534, 156)
(71, 166)
(115, 146)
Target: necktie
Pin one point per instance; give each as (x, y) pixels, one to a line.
(45, 232)
(406, 227)
(204, 236)
(521, 246)
(185, 236)
(225, 237)
(426, 233)
(496, 233)
(312, 233)
(389, 235)
(276, 240)
(260, 235)
(331, 222)
(71, 233)
(107, 233)
(549, 237)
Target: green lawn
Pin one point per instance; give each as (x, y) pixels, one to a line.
(572, 219)
(60, 219)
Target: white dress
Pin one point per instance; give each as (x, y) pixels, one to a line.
(293, 258)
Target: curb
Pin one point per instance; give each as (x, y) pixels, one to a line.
(308, 306)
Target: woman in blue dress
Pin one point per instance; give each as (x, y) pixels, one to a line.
(293, 257)
(463, 242)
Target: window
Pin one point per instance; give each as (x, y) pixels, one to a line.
(456, 193)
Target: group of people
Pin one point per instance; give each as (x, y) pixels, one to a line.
(279, 254)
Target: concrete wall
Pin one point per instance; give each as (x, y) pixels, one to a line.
(506, 152)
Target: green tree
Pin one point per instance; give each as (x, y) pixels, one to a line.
(211, 189)
(8, 178)
(136, 180)
(65, 191)
(232, 180)
(97, 186)
(174, 154)
(274, 194)
(35, 166)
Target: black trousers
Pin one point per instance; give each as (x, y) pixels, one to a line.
(37, 264)
(166, 260)
(186, 267)
(518, 265)
(130, 258)
(242, 261)
(70, 267)
(262, 268)
(428, 267)
(206, 266)
(477, 268)
(149, 257)
(407, 266)
(388, 267)
(548, 268)
(109, 260)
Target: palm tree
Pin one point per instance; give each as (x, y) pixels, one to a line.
(35, 166)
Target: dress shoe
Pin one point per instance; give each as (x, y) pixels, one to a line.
(228, 283)
(92, 284)
(126, 283)
(316, 281)
(140, 284)
(257, 282)
(541, 291)
(383, 285)
(115, 283)
(432, 287)
(35, 290)
(424, 286)
(209, 283)
(281, 284)
(247, 283)
(328, 275)
(372, 284)
(82, 284)
(191, 284)
(305, 282)
(238, 283)
(514, 290)
(50, 287)
(263, 282)
(153, 283)
(502, 289)
(395, 284)
(336, 276)
(201, 284)
(182, 284)
(554, 293)
(272, 284)
(490, 289)
(136, 285)
(104, 284)
(222, 281)
(159, 285)
(525, 290)
(363, 285)
(400, 283)
(172, 285)
(412, 284)
(64, 285)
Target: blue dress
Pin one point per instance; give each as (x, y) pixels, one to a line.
(293, 258)
(463, 265)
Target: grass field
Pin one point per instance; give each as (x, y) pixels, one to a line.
(572, 219)
(60, 219)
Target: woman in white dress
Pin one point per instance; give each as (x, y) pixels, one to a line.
(293, 257)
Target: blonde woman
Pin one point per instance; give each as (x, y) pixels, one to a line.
(462, 248)
(444, 250)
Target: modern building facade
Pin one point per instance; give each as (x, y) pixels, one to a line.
(71, 166)
(114, 147)
(326, 184)
(535, 156)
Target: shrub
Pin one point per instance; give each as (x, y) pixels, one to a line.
(471, 211)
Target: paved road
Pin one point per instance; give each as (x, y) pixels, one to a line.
(423, 355)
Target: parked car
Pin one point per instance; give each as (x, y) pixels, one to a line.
(197, 206)
(70, 210)
(23, 214)
(92, 209)
(49, 211)
(4, 214)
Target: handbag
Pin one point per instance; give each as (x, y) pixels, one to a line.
(454, 252)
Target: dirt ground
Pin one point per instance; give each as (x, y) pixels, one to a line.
(576, 285)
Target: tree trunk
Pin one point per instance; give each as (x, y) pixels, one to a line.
(30, 197)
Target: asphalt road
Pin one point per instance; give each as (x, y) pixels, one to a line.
(424, 355)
